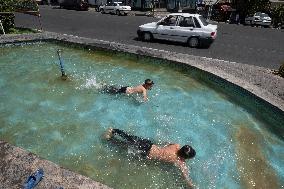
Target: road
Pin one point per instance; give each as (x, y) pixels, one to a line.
(237, 43)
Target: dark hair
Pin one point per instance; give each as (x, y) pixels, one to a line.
(186, 152)
(149, 82)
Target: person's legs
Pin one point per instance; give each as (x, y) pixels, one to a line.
(130, 138)
(142, 145)
(110, 89)
(113, 89)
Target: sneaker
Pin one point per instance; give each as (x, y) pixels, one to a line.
(34, 179)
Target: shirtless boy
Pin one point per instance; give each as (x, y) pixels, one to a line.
(148, 84)
(171, 153)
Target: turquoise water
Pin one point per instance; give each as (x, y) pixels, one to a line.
(63, 121)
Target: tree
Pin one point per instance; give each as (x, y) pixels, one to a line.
(253, 6)
(8, 7)
(277, 14)
(248, 7)
(6, 14)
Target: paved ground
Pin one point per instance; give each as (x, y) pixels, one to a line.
(17, 165)
(255, 46)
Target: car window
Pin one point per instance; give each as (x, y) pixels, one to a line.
(258, 14)
(203, 21)
(170, 20)
(108, 4)
(186, 22)
(197, 24)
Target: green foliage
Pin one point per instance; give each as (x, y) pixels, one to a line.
(21, 30)
(26, 5)
(281, 70)
(7, 20)
(253, 6)
(277, 14)
(7, 7)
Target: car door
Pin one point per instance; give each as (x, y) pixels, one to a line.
(166, 27)
(114, 7)
(187, 27)
(109, 7)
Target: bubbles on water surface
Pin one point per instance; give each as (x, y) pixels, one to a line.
(91, 82)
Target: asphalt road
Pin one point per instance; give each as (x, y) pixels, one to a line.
(237, 43)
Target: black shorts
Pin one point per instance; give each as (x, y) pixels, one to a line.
(122, 90)
(114, 90)
(142, 146)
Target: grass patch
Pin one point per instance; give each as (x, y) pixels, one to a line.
(21, 31)
(280, 71)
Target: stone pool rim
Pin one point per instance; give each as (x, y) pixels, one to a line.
(255, 80)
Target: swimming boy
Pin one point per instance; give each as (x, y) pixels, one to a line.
(171, 153)
(148, 84)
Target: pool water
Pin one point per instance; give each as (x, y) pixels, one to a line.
(63, 121)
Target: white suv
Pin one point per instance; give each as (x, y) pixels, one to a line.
(192, 29)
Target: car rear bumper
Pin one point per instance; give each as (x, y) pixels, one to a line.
(265, 23)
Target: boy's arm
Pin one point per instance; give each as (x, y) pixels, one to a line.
(184, 171)
(145, 95)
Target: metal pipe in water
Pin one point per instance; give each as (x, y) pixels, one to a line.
(63, 76)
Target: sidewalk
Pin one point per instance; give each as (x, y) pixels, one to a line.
(158, 13)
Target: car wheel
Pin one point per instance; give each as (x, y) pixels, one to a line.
(147, 36)
(102, 11)
(193, 42)
(117, 12)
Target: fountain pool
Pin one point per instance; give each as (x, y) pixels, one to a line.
(238, 145)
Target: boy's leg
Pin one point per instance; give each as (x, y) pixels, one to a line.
(124, 135)
(143, 145)
(110, 89)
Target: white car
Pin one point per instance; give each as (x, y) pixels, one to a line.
(192, 29)
(258, 19)
(115, 8)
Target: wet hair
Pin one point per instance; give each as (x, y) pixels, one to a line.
(149, 82)
(186, 152)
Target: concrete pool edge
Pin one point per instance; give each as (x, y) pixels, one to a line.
(18, 164)
(257, 80)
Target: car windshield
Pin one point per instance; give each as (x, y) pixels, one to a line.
(264, 15)
(202, 19)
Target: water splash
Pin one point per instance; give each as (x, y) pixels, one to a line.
(90, 83)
